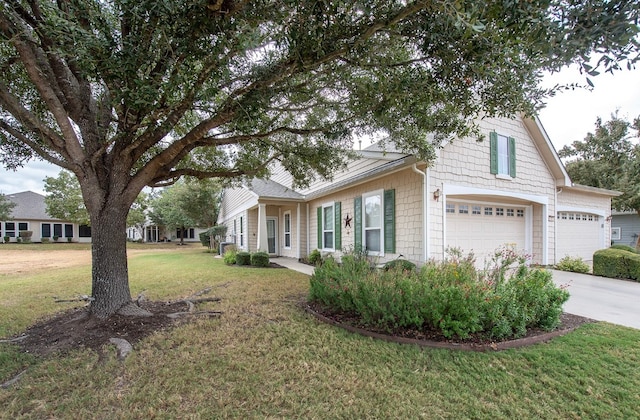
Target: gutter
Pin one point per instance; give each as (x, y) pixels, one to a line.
(426, 245)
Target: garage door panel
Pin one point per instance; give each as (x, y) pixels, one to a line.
(579, 235)
(491, 227)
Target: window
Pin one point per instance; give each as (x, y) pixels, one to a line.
(584, 216)
(510, 213)
(475, 210)
(329, 228)
(189, 233)
(374, 222)
(84, 231)
(571, 216)
(502, 155)
(520, 213)
(45, 230)
(463, 209)
(287, 230)
(57, 230)
(10, 229)
(615, 233)
(488, 211)
(68, 231)
(591, 217)
(451, 208)
(23, 226)
(241, 231)
(499, 211)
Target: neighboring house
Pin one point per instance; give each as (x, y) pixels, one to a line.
(154, 233)
(30, 214)
(477, 196)
(625, 227)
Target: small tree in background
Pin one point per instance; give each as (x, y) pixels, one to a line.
(6, 206)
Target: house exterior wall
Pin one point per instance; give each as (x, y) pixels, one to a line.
(466, 163)
(235, 201)
(408, 212)
(35, 226)
(629, 225)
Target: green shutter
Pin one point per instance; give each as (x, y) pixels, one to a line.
(512, 157)
(320, 227)
(493, 146)
(337, 210)
(390, 221)
(357, 224)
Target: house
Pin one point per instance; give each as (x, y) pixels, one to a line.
(30, 215)
(477, 196)
(151, 232)
(625, 228)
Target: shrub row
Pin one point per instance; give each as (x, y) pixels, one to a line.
(257, 259)
(573, 264)
(616, 263)
(451, 297)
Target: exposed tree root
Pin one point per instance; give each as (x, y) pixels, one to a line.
(131, 309)
(13, 380)
(176, 315)
(14, 340)
(123, 347)
(82, 298)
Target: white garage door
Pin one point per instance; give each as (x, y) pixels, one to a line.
(579, 235)
(483, 228)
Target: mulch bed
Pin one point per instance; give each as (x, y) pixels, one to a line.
(428, 338)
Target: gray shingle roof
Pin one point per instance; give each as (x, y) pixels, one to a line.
(29, 206)
(271, 189)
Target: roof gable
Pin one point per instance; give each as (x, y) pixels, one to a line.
(29, 206)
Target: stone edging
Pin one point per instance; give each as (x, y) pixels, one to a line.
(503, 345)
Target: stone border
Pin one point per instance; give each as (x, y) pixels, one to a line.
(503, 345)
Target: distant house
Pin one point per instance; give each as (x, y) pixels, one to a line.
(477, 196)
(30, 215)
(625, 227)
(151, 232)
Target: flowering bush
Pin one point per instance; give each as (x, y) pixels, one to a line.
(451, 296)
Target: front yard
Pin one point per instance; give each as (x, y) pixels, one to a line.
(265, 357)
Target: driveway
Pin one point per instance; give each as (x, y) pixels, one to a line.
(601, 298)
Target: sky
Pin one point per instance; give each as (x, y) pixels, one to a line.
(568, 116)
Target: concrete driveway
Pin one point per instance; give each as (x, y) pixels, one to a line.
(601, 298)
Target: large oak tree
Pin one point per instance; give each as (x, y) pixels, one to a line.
(130, 93)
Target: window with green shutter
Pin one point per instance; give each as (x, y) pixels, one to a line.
(329, 229)
(374, 222)
(503, 154)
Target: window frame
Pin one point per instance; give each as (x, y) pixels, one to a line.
(324, 207)
(287, 233)
(242, 232)
(380, 228)
(502, 159)
(617, 237)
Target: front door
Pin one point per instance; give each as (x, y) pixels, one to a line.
(272, 236)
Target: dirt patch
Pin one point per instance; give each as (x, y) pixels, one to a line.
(26, 261)
(74, 328)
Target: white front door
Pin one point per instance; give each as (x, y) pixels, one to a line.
(272, 236)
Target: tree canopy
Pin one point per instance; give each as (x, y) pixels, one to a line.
(6, 206)
(609, 158)
(132, 93)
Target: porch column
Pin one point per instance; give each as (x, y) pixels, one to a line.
(262, 244)
(299, 254)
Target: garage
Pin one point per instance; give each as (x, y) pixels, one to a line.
(485, 227)
(579, 235)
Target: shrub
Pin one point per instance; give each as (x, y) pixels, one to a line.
(243, 258)
(624, 247)
(616, 263)
(451, 296)
(315, 258)
(205, 239)
(230, 253)
(260, 259)
(7, 239)
(46, 240)
(402, 265)
(573, 264)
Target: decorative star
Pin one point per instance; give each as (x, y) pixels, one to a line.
(347, 221)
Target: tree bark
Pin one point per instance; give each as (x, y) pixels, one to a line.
(110, 278)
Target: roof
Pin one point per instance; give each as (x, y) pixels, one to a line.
(594, 190)
(266, 188)
(29, 206)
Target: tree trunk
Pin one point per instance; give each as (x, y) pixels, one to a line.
(110, 278)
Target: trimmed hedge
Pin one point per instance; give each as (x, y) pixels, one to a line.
(243, 258)
(399, 265)
(616, 263)
(624, 247)
(260, 259)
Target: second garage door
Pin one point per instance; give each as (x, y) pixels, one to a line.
(483, 228)
(579, 235)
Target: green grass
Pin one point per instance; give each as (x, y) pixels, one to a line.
(266, 358)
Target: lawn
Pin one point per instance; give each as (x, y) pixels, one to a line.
(266, 358)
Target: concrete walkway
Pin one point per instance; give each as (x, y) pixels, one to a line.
(601, 298)
(293, 264)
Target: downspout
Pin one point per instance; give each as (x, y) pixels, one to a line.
(426, 246)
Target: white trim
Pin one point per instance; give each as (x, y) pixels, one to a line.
(618, 236)
(284, 231)
(275, 232)
(333, 226)
(450, 189)
(574, 209)
(298, 231)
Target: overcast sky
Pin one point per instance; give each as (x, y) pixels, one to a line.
(569, 116)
